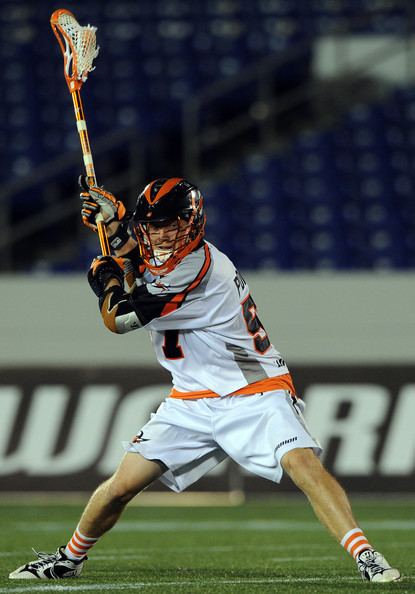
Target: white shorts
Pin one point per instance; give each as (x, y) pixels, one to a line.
(192, 436)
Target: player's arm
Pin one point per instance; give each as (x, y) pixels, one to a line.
(106, 279)
(175, 299)
(123, 311)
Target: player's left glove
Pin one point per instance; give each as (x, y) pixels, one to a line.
(103, 269)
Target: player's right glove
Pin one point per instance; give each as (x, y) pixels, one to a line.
(103, 269)
(98, 201)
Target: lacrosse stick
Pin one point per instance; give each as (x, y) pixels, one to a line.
(78, 45)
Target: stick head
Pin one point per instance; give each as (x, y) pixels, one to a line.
(78, 45)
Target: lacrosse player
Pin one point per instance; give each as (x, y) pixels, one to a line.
(232, 392)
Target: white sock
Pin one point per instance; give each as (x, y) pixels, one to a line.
(355, 542)
(79, 545)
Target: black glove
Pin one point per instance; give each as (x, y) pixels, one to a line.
(103, 269)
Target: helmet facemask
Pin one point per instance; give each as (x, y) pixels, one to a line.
(164, 243)
(169, 228)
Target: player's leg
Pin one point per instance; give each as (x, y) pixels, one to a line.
(107, 503)
(332, 507)
(327, 497)
(274, 423)
(103, 510)
(157, 440)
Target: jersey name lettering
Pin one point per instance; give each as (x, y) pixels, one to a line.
(240, 282)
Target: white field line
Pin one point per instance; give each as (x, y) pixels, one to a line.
(251, 525)
(304, 559)
(141, 585)
(218, 526)
(130, 556)
(219, 549)
(115, 557)
(212, 549)
(145, 552)
(402, 544)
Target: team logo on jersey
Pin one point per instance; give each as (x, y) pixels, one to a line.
(161, 285)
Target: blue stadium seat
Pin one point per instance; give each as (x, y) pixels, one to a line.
(340, 198)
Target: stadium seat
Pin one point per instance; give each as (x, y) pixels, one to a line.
(340, 198)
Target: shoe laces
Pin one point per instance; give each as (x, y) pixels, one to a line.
(44, 558)
(373, 565)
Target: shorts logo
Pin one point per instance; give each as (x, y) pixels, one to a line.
(139, 438)
(285, 442)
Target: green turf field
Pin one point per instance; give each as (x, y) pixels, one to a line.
(256, 547)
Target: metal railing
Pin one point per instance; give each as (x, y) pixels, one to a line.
(197, 139)
(266, 106)
(126, 181)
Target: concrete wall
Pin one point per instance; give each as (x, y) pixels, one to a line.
(311, 318)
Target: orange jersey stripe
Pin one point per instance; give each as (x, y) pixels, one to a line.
(280, 382)
(178, 299)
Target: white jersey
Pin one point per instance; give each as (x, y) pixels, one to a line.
(203, 325)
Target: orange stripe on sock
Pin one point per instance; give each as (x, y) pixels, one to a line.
(83, 547)
(80, 547)
(84, 540)
(70, 547)
(360, 544)
(352, 538)
(356, 543)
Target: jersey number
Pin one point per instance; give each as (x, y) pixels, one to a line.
(171, 346)
(255, 328)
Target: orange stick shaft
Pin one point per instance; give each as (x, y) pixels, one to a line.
(89, 163)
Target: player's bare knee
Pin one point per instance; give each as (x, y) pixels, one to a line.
(119, 492)
(134, 474)
(303, 467)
